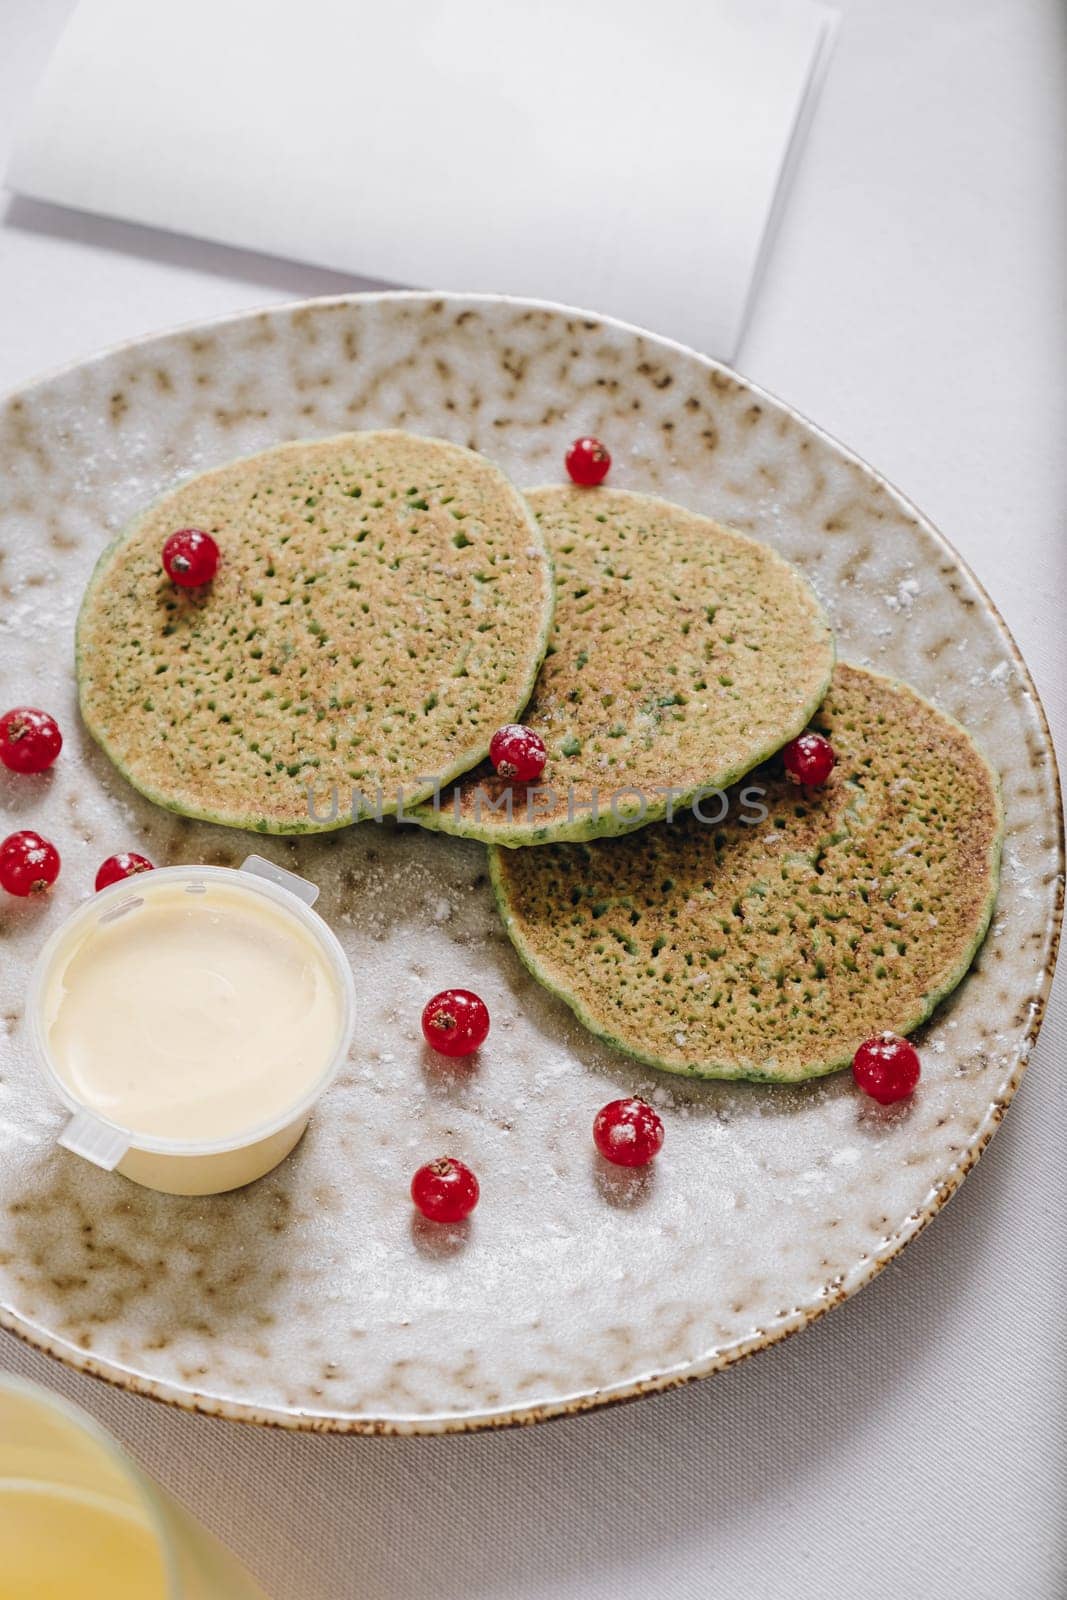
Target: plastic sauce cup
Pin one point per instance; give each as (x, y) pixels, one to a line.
(184, 1165)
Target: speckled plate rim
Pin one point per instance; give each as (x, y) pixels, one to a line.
(188, 1399)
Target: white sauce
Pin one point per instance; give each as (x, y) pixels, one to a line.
(193, 1016)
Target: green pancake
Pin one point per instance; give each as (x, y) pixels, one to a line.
(771, 949)
(682, 655)
(382, 605)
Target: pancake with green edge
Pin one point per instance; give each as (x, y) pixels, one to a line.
(682, 655)
(769, 946)
(382, 604)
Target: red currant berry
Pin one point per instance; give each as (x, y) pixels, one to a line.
(28, 863)
(886, 1067)
(190, 558)
(455, 1022)
(809, 759)
(628, 1132)
(518, 752)
(445, 1190)
(125, 865)
(29, 740)
(588, 462)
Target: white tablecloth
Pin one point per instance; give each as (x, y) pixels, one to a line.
(912, 1443)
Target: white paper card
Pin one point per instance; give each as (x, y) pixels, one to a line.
(615, 154)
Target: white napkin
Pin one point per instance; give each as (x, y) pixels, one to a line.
(615, 154)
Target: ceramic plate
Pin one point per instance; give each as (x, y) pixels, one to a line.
(314, 1299)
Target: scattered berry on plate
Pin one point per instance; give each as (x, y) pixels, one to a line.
(886, 1067)
(28, 863)
(628, 1132)
(127, 864)
(445, 1190)
(809, 760)
(30, 740)
(588, 462)
(455, 1022)
(190, 558)
(518, 752)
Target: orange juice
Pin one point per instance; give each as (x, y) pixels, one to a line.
(79, 1521)
(58, 1543)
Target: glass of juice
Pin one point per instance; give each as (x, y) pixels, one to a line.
(80, 1521)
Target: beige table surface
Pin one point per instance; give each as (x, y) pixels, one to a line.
(913, 1443)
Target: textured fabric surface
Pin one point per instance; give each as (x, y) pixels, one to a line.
(913, 1442)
